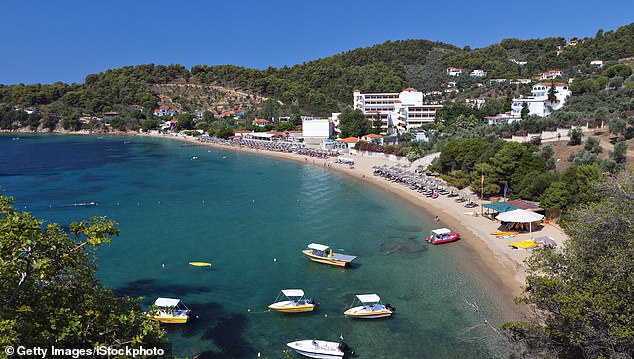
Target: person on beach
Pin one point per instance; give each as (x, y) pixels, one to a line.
(436, 218)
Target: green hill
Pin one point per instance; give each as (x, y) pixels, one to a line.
(317, 87)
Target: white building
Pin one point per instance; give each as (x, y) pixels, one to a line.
(397, 111)
(597, 63)
(316, 130)
(538, 104)
(478, 73)
(550, 75)
(454, 71)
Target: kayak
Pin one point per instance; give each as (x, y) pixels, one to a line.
(200, 264)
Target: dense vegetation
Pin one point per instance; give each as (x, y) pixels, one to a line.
(323, 86)
(585, 291)
(49, 293)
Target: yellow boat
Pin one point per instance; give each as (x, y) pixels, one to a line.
(200, 264)
(169, 310)
(523, 244)
(295, 303)
(324, 254)
(370, 307)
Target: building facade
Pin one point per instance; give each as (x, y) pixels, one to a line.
(538, 104)
(397, 111)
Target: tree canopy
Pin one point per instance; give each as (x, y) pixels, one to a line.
(585, 292)
(49, 292)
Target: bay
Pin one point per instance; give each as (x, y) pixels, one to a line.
(251, 216)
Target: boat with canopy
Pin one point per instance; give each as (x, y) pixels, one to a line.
(170, 310)
(294, 303)
(323, 254)
(370, 307)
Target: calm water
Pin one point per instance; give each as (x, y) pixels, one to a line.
(251, 216)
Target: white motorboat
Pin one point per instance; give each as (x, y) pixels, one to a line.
(321, 349)
(370, 307)
(295, 303)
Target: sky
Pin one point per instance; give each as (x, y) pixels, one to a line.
(45, 41)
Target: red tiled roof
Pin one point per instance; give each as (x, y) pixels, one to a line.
(242, 131)
(409, 89)
(162, 107)
(111, 113)
(551, 83)
(351, 140)
(261, 120)
(372, 135)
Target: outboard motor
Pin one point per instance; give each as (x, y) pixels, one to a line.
(347, 351)
(389, 307)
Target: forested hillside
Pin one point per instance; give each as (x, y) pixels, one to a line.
(316, 87)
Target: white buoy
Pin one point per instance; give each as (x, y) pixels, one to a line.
(163, 265)
(274, 259)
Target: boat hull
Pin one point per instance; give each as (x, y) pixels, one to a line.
(290, 307)
(446, 239)
(363, 312)
(326, 260)
(317, 349)
(171, 320)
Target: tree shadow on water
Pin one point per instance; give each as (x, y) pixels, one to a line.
(148, 287)
(227, 336)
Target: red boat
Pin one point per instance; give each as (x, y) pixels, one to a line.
(442, 235)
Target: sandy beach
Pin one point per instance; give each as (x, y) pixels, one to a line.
(502, 265)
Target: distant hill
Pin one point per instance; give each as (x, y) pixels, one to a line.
(317, 87)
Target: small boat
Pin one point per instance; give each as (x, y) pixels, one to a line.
(442, 235)
(200, 264)
(370, 307)
(523, 244)
(321, 349)
(294, 303)
(324, 254)
(169, 310)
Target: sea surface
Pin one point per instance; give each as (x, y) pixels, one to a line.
(251, 216)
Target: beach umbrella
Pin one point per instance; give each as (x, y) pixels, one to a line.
(520, 216)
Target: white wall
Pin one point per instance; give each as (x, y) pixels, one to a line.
(316, 128)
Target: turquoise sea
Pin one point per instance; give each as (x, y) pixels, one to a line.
(251, 216)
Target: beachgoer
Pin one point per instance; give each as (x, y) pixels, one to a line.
(437, 219)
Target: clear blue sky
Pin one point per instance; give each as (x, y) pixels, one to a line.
(44, 41)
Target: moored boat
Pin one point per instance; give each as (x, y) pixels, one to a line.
(442, 235)
(169, 310)
(295, 303)
(324, 254)
(370, 307)
(321, 349)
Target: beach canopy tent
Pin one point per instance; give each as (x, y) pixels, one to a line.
(520, 216)
(500, 207)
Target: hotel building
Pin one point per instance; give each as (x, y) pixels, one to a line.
(397, 111)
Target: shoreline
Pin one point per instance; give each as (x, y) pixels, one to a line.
(501, 267)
